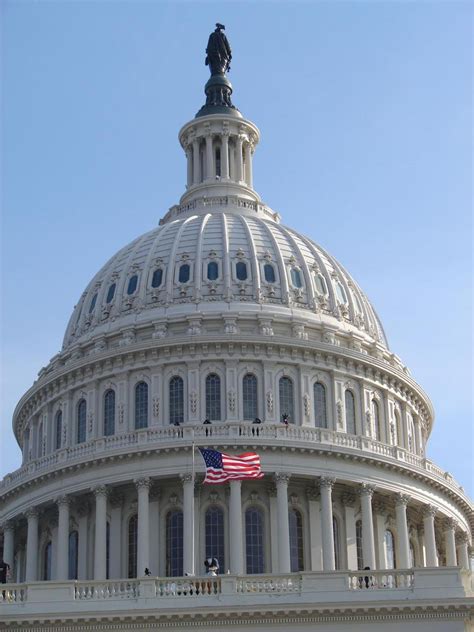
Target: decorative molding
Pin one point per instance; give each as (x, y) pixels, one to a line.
(402, 499)
(327, 482)
(281, 478)
(366, 490)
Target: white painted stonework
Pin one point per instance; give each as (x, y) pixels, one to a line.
(223, 313)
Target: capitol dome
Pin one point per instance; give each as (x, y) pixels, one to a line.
(224, 330)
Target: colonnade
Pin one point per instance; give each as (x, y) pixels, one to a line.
(321, 535)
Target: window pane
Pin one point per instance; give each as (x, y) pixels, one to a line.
(109, 413)
(59, 429)
(174, 544)
(350, 413)
(176, 400)
(132, 284)
(249, 392)
(73, 554)
(141, 405)
(157, 278)
(81, 421)
(215, 535)
(341, 293)
(269, 272)
(93, 302)
(47, 557)
(241, 271)
(110, 293)
(320, 417)
(255, 554)
(335, 528)
(286, 398)
(296, 278)
(321, 284)
(184, 273)
(212, 271)
(132, 546)
(360, 559)
(213, 397)
(375, 408)
(296, 541)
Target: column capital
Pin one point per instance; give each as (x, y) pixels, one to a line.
(462, 537)
(100, 490)
(450, 523)
(312, 493)
(143, 483)
(327, 482)
(402, 499)
(8, 525)
(63, 500)
(366, 490)
(281, 478)
(32, 512)
(348, 499)
(429, 511)
(186, 478)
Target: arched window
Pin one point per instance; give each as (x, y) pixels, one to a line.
(287, 406)
(73, 554)
(81, 421)
(110, 293)
(141, 405)
(218, 161)
(176, 400)
(269, 272)
(39, 449)
(47, 557)
(375, 409)
(296, 277)
(132, 546)
(212, 270)
(389, 549)
(241, 271)
(321, 286)
(213, 397)
(254, 543)
(174, 544)
(350, 412)
(320, 411)
(341, 294)
(249, 393)
(337, 543)
(58, 430)
(93, 302)
(109, 413)
(132, 284)
(360, 557)
(411, 435)
(157, 278)
(296, 541)
(215, 535)
(184, 273)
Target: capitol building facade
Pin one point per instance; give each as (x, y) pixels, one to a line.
(223, 314)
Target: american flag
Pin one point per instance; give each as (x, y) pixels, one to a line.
(222, 467)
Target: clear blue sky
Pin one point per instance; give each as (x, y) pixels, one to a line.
(365, 110)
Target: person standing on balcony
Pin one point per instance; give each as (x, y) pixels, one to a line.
(4, 571)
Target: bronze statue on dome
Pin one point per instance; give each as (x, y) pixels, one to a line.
(218, 51)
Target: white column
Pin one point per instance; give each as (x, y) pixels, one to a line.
(325, 486)
(210, 171)
(248, 164)
(116, 504)
(32, 545)
(154, 561)
(463, 551)
(143, 536)
(9, 544)
(272, 493)
(100, 548)
(83, 514)
(403, 560)
(188, 523)
(62, 564)
(282, 480)
(348, 500)
(430, 538)
(380, 524)
(196, 162)
(368, 543)
(315, 542)
(189, 165)
(239, 162)
(235, 522)
(450, 542)
(225, 156)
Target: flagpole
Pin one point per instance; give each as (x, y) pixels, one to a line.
(192, 515)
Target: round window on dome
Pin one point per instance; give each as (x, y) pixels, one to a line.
(296, 278)
(93, 302)
(269, 272)
(212, 271)
(241, 271)
(132, 284)
(184, 273)
(157, 278)
(111, 293)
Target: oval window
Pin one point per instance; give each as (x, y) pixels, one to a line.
(269, 272)
(184, 273)
(212, 271)
(321, 284)
(296, 278)
(132, 284)
(241, 271)
(157, 277)
(110, 293)
(93, 302)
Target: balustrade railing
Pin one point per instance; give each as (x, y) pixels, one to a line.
(126, 589)
(13, 594)
(388, 579)
(189, 586)
(269, 584)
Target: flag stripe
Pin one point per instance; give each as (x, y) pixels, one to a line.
(222, 467)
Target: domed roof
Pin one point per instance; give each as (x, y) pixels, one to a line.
(222, 255)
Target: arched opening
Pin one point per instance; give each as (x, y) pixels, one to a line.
(320, 411)
(214, 529)
(287, 404)
(174, 544)
(213, 397)
(296, 541)
(254, 543)
(350, 412)
(249, 395)
(141, 405)
(132, 545)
